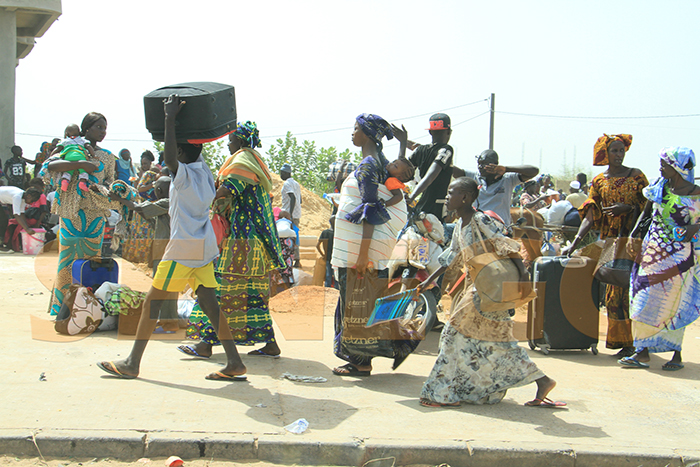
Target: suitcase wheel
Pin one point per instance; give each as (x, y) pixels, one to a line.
(545, 350)
(594, 349)
(532, 345)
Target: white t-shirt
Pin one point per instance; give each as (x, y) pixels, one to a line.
(192, 238)
(557, 211)
(284, 228)
(13, 195)
(291, 186)
(497, 196)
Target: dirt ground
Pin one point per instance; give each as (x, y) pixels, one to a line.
(315, 211)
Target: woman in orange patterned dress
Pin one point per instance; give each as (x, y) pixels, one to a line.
(614, 202)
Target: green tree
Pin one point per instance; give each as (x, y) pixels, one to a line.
(214, 153)
(310, 164)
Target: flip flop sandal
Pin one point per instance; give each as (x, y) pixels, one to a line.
(111, 368)
(260, 353)
(632, 362)
(351, 370)
(672, 366)
(219, 376)
(545, 402)
(189, 350)
(433, 404)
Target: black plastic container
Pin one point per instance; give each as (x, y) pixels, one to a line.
(209, 112)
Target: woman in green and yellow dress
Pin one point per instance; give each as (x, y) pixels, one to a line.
(250, 251)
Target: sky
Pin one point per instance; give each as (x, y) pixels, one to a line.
(563, 73)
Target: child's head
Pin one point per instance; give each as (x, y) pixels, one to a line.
(284, 215)
(16, 151)
(188, 153)
(37, 183)
(161, 187)
(31, 195)
(147, 158)
(401, 169)
(463, 191)
(331, 221)
(72, 131)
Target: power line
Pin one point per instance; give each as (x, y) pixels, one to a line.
(346, 128)
(425, 135)
(595, 118)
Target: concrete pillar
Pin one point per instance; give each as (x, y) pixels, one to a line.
(8, 62)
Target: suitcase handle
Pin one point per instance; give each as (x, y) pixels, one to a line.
(100, 263)
(572, 262)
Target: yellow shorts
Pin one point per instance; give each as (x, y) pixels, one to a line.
(173, 277)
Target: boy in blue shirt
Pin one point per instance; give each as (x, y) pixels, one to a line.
(189, 256)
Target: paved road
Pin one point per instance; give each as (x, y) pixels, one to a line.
(616, 416)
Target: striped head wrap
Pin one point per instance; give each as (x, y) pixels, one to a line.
(249, 133)
(600, 149)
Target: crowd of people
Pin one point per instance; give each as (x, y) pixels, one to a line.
(220, 235)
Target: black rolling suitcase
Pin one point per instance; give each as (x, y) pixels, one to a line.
(564, 315)
(208, 114)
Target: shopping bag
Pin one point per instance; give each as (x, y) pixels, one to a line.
(615, 262)
(84, 312)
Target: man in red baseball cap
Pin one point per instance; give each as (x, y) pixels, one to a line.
(434, 163)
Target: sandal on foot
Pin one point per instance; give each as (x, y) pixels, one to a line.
(350, 370)
(672, 366)
(545, 402)
(433, 404)
(112, 369)
(260, 353)
(632, 362)
(190, 350)
(219, 376)
(625, 352)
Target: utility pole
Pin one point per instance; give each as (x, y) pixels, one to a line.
(493, 108)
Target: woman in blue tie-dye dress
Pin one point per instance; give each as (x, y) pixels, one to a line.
(665, 285)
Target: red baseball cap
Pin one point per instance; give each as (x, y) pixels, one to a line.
(439, 122)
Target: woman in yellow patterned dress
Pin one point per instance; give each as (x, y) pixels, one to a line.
(614, 202)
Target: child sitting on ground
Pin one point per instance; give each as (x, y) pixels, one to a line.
(74, 148)
(400, 171)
